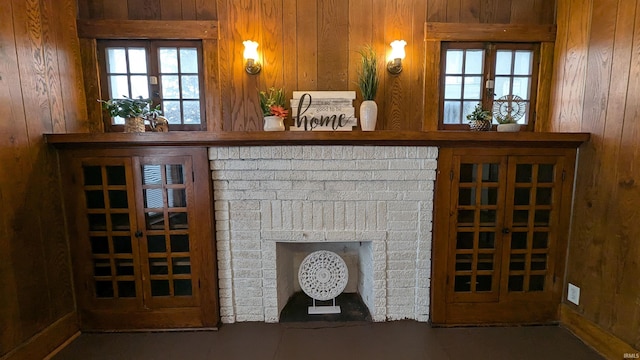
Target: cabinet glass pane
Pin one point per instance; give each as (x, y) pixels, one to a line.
(176, 198)
(490, 172)
(99, 245)
(160, 288)
(468, 173)
(543, 196)
(465, 240)
(485, 261)
(522, 196)
(120, 222)
(158, 266)
(181, 265)
(126, 289)
(524, 173)
(97, 222)
(463, 262)
(538, 261)
(122, 245)
(92, 175)
(545, 173)
(182, 287)
(154, 220)
(118, 199)
(516, 283)
(519, 240)
(104, 289)
(542, 217)
(536, 283)
(124, 267)
(517, 262)
(465, 217)
(153, 198)
(462, 283)
(151, 175)
(540, 240)
(156, 244)
(486, 240)
(467, 196)
(175, 174)
(521, 217)
(116, 175)
(95, 199)
(489, 196)
(101, 267)
(487, 217)
(178, 221)
(180, 243)
(483, 282)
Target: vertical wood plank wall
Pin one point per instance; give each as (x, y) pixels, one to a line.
(41, 91)
(596, 90)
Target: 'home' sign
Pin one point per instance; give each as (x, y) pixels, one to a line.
(323, 111)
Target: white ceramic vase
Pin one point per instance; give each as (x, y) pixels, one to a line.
(368, 115)
(273, 123)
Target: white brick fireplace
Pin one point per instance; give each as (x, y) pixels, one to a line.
(371, 204)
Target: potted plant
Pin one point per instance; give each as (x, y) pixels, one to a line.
(368, 83)
(507, 123)
(134, 111)
(480, 119)
(273, 110)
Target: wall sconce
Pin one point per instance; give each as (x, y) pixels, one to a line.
(394, 66)
(251, 65)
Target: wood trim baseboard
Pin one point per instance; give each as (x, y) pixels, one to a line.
(608, 345)
(48, 340)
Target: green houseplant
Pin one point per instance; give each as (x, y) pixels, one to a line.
(273, 108)
(507, 123)
(368, 83)
(480, 119)
(135, 111)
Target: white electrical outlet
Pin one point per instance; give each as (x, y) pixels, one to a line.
(573, 294)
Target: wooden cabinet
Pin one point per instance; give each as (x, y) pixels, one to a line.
(500, 236)
(140, 223)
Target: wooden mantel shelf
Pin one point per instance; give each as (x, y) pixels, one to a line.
(357, 138)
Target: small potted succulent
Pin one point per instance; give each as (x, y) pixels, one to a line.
(134, 111)
(480, 119)
(368, 81)
(273, 109)
(507, 123)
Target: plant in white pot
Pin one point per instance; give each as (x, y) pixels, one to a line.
(134, 111)
(273, 110)
(368, 83)
(507, 124)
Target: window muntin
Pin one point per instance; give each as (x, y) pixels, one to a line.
(168, 72)
(469, 70)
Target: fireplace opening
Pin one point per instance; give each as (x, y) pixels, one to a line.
(356, 301)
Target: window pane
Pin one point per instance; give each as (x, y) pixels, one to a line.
(191, 112)
(453, 87)
(503, 86)
(503, 62)
(472, 87)
(451, 112)
(190, 87)
(172, 112)
(188, 60)
(523, 63)
(116, 60)
(168, 60)
(119, 86)
(138, 60)
(467, 109)
(170, 87)
(521, 87)
(454, 62)
(474, 62)
(139, 86)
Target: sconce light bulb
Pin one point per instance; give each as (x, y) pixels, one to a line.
(394, 66)
(252, 66)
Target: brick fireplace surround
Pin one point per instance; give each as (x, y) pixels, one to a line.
(379, 196)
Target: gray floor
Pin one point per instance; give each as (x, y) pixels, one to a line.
(334, 341)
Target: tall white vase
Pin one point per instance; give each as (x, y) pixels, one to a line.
(368, 115)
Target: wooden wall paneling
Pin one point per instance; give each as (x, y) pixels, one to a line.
(437, 10)
(92, 87)
(361, 35)
(307, 51)
(170, 10)
(502, 14)
(144, 9)
(96, 8)
(490, 32)
(70, 70)
(27, 250)
(51, 13)
(524, 12)
(289, 46)
(189, 11)
(213, 106)
(431, 85)
(546, 10)
(83, 9)
(225, 64)
(271, 43)
(116, 9)
(453, 11)
(416, 56)
(207, 9)
(333, 44)
(470, 11)
(559, 59)
(545, 77)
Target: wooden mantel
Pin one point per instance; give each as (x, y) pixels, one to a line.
(357, 138)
